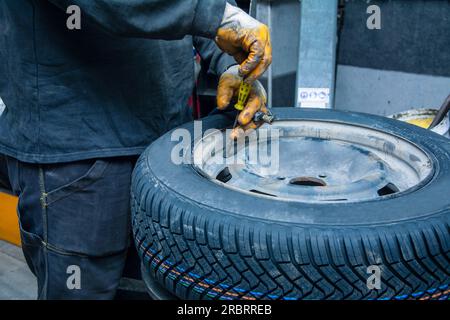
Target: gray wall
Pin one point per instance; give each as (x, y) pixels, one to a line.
(386, 92)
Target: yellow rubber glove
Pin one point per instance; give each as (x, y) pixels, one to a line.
(228, 91)
(247, 40)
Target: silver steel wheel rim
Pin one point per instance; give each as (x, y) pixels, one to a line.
(319, 161)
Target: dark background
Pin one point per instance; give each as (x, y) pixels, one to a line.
(414, 36)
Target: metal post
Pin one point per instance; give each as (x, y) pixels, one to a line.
(317, 54)
(262, 10)
(270, 73)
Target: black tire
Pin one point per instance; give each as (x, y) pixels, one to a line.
(203, 241)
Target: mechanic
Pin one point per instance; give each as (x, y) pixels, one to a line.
(81, 105)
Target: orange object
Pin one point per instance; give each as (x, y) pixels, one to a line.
(9, 222)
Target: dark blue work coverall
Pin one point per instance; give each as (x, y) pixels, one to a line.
(81, 105)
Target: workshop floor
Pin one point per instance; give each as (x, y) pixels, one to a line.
(16, 280)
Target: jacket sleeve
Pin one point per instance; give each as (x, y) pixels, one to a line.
(213, 59)
(156, 19)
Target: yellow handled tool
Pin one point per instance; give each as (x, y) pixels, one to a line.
(244, 91)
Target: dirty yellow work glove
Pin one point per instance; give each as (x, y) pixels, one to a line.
(228, 91)
(247, 40)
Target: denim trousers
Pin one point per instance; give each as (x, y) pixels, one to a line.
(74, 222)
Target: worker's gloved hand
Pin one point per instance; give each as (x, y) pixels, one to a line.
(228, 92)
(247, 40)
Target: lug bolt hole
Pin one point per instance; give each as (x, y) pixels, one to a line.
(308, 182)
